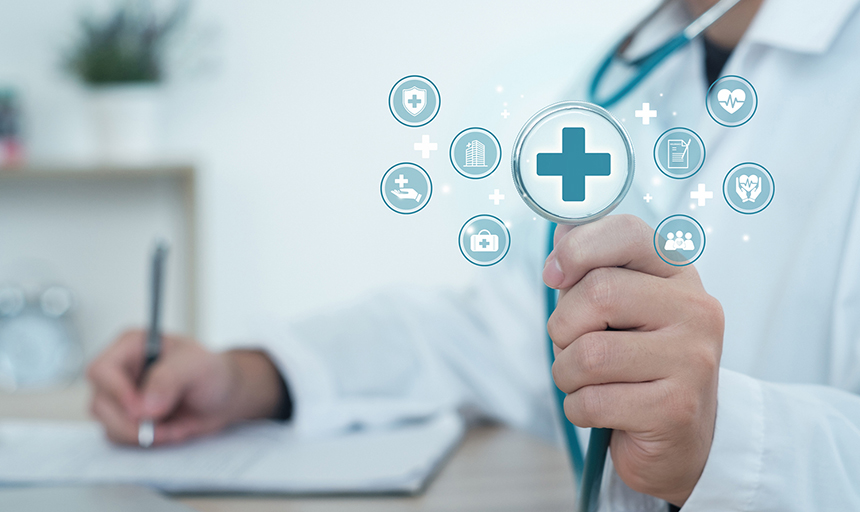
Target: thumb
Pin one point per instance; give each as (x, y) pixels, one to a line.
(163, 387)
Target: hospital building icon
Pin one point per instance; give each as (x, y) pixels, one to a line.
(475, 154)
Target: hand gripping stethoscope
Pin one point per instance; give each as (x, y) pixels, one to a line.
(587, 127)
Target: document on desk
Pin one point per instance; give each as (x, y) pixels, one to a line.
(254, 458)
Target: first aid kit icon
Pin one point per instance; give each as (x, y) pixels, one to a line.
(484, 241)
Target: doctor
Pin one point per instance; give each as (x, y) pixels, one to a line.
(731, 386)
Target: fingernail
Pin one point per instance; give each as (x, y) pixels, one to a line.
(552, 274)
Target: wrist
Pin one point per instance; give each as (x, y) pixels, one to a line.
(256, 385)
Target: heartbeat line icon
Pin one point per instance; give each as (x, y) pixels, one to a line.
(731, 101)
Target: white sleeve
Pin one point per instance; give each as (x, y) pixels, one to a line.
(777, 447)
(411, 352)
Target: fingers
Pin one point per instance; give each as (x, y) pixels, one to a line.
(613, 241)
(611, 357)
(115, 372)
(119, 426)
(620, 406)
(165, 384)
(615, 298)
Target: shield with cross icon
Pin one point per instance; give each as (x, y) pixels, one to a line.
(414, 100)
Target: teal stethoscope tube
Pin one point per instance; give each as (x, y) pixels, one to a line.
(589, 470)
(645, 64)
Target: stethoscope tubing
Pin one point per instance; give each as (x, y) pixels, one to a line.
(588, 470)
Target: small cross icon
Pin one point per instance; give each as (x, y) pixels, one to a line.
(495, 197)
(401, 181)
(414, 101)
(484, 243)
(702, 194)
(425, 146)
(505, 113)
(647, 198)
(646, 113)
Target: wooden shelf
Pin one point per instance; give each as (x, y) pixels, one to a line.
(91, 225)
(98, 171)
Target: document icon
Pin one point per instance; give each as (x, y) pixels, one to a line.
(679, 154)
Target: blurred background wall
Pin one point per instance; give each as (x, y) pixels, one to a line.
(281, 109)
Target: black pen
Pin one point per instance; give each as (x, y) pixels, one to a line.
(146, 429)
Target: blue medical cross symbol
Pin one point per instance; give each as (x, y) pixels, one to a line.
(484, 243)
(573, 164)
(414, 101)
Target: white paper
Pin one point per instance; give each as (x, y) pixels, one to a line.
(260, 457)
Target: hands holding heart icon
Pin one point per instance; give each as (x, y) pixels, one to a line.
(748, 187)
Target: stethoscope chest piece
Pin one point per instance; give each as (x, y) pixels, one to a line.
(573, 162)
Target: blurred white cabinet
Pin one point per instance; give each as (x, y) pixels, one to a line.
(92, 229)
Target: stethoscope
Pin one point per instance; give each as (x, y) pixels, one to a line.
(588, 469)
(643, 65)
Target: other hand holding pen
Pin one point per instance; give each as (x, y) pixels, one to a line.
(189, 392)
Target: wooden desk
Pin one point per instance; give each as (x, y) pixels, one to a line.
(496, 469)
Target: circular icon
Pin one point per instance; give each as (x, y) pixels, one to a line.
(484, 240)
(731, 101)
(406, 188)
(475, 153)
(748, 188)
(573, 162)
(414, 100)
(679, 240)
(679, 153)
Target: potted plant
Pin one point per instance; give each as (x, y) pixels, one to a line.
(121, 59)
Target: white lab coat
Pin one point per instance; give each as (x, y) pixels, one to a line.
(787, 434)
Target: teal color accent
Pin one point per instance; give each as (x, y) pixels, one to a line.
(765, 196)
(744, 113)
(433, 101)
(573, 448)
(573, 164)
(696, 156)
(588, 470)
(492, 153)
(644, 65)
(683, 224)
(495, 227)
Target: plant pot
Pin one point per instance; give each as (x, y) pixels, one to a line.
(127, 121)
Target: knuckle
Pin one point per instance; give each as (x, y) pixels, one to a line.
(564, 378)
(592, 354)
(572, 249)
(130, 335)
(557, 327)
(634, 224)
(584, 408)
(682, 407)
(598, 288)
(96, 371)
(557, 374)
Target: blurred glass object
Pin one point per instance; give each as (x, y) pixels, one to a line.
(37, 345)
(11, 145)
